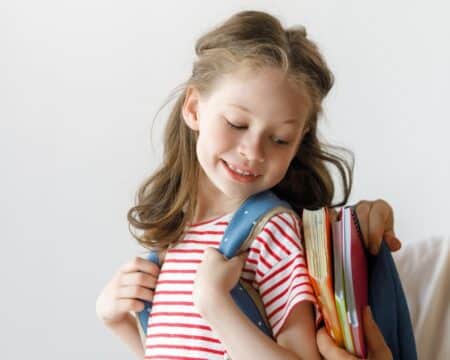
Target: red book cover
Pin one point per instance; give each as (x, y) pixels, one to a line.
(358, 288)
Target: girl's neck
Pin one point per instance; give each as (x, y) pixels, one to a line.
(211, 208)
(211, 202)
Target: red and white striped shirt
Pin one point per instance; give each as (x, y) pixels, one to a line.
(275, 267)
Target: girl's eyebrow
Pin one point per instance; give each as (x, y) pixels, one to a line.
(243, 108)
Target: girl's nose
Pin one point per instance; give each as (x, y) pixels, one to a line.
(252, 149)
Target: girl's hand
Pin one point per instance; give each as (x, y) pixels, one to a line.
(377, 223)
(215, 276)
(133, 283)
(376, 346)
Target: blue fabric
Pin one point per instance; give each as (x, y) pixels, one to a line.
(145, 314)
(245, 218)
(389, 307)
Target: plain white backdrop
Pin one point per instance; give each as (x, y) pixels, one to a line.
(80, 82)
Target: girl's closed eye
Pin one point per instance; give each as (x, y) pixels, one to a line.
(280, 141)
(235, 126)
(243, 127)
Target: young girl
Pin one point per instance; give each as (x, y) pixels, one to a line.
(245, 122)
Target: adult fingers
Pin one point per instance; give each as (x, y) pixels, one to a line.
(328, 349)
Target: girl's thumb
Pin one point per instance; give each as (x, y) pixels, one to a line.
(374, 337)
(241, 257)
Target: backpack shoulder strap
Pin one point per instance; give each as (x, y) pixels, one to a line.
(246, 224)
(249, 220)
(143, 315)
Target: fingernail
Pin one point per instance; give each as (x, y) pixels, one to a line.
(394, 243)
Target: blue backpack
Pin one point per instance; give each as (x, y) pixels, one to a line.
(386, 296)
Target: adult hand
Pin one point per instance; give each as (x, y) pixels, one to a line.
(376, 346)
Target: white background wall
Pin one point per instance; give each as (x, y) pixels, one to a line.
(80, 82)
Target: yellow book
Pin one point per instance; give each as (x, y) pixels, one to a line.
(319, 257)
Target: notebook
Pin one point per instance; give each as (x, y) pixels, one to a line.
(337, 265)
(339, 284)
(317, 241)
(355, 278)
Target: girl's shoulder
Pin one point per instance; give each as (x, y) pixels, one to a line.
(280, 231)
(280, 219)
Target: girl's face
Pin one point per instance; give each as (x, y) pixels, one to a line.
(249, 129)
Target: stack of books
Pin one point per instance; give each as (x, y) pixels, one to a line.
(337, 264)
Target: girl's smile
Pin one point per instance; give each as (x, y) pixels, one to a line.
(240, 175)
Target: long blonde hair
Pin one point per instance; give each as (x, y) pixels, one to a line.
(166, 201)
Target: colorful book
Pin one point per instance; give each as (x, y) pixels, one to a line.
(337, 264)
(317, 238)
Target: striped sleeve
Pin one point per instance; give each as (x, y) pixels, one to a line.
(277, 262)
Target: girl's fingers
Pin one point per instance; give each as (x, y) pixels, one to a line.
(377, 223)
(333, 214)
(373, 335)
(126, 305)
(362, 209)
(134, 292)
(138, 279)
(392, 241)
(139, 264)
(376, 345)
(328, 349)
(242, 257)
(133, 284)
(381, 226)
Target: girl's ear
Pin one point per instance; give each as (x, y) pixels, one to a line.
(190, 108)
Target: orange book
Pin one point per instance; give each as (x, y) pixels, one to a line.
(319, 258)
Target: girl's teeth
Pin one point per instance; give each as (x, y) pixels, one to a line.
(239, 171)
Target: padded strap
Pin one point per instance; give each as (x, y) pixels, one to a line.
(247, 222)
(142, 316)
(241, 229)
